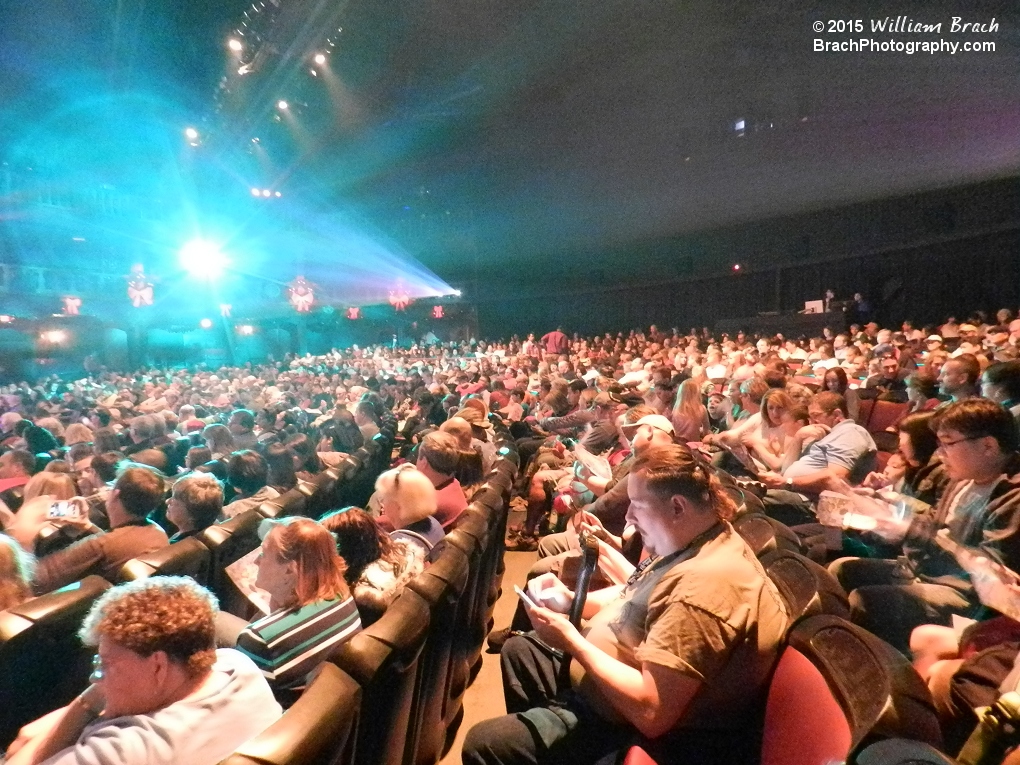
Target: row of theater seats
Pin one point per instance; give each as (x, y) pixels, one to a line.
(43, 664)
(394, 693)
(837, 688)
(392, 696)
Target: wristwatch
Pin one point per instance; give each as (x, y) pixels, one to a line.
(789, 484)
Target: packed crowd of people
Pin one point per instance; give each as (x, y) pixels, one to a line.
(629, 438)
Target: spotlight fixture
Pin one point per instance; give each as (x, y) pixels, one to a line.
(246, 329)
(235, 45)
(202, 259)
(205, 324)
(191, 134)
(54, 336)
(320, 58)
(266, 193)
(282, 105)
(255, 192)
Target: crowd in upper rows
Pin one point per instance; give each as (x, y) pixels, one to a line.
(153, 457)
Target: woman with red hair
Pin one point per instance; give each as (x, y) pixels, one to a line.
(312, 612)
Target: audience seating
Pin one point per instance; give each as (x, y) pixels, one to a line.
(44, 664)
(189, 557)
(227, 542)
(291, 502)
(462, 653)
(474, 522)
(13, 498)
(885, 415)
(442, 588)
(53, 537)
(318, 493)
(898, 751)
(764, 534)
(864, 409)
(384, 660)
(808, 589)
(837, 689)
(320, 728)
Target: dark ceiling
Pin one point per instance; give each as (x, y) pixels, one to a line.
(504, 132)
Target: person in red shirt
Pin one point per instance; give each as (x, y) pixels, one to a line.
(555, 343)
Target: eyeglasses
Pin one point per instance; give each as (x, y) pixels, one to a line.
(946, 444)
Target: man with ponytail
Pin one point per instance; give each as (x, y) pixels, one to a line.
(681, 653)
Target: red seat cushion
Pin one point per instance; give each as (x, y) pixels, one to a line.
(804, 723)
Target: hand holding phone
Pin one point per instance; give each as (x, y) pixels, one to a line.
(525, 597)
(63, 509)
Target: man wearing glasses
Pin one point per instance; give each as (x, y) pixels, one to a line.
(978, 442)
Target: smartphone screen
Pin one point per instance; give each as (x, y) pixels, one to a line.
(63, 509)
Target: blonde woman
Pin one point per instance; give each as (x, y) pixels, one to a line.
(16, 568)
(408, 502)
(689, 416)
(768, 444)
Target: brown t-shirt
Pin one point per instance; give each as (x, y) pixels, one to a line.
(709, 613)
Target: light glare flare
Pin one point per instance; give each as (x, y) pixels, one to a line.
(203, 259)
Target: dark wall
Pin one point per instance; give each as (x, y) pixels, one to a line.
(922, 257)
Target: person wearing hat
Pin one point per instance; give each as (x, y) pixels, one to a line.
(933, 343)
(970, 341)
(719, 409)
(997, 341)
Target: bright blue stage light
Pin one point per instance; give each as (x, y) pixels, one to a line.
(203, 259)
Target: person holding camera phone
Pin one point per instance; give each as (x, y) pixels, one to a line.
(137, 492)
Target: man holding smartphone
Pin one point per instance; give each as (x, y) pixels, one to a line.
(682, 652)
(137, 492)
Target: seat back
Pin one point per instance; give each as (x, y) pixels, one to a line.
(227, 542)
(320, 727)
(319, 493)
(189, 557)
(442, 587)
(764, 534)
(885, 415)
(864, 410)
(384, 660)
(837, 689)
(43, 664)
(804, 722)
(461, 652)
(807, 588)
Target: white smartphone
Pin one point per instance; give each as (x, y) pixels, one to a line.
(63, 509)
(525, 597)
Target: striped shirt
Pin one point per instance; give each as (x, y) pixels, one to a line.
(291, 642)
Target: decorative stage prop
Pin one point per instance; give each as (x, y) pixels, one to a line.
(139, 288)
(353, 313)
(301, 294)
(399, 299)
(437, 312)
(72, 305)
